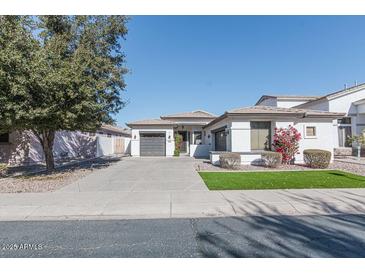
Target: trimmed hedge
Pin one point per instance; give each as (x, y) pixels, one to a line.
(272, 158)
(230, 160)
(317, 158)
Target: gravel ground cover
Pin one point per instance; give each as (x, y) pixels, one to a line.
(46, 182)
(205, 165)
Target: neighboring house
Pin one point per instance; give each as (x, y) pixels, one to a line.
(112, 140)
(350, 101)
(284, 101)
(24, 148)
(325, 122)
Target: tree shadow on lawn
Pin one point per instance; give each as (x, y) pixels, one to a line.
(347, 176)
(270, 233)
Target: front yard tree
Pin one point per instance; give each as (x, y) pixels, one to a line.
(60, 73)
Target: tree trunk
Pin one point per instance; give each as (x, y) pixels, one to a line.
(46, 138)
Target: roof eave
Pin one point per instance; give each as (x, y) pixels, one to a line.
(216, 120)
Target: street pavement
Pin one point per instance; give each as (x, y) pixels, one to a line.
(271, 236)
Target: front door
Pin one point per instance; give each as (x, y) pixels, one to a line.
(220, 140)
(185, 141)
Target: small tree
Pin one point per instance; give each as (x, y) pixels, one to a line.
(60, 73)
(178, 141)
(358, 140)
(286, 142)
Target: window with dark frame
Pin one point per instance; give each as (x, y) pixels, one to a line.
(310, 131)
(260, 135)
(344, 121)
(197, 137)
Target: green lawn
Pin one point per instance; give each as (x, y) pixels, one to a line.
(282, 180)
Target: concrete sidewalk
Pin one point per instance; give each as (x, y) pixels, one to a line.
(176, 204)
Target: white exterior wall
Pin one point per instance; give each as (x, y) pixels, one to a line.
(135, 141)
(199, 150)
(283, 103)
(289, 103)
(323, 140)
(127, 145)
(342, 104)
(104, 145)
(241, 136)
(24, 148)
(240, 133)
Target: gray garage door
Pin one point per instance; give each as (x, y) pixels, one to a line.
(153, 144)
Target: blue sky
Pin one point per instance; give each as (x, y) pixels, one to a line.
(216, 63)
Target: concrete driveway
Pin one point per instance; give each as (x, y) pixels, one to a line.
(143, 174)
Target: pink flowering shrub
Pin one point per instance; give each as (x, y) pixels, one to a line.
(286, 142)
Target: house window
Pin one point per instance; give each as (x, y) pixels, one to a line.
(197, 137)
(344, 121)
(310, 132)
(109, 135)
(4, 138)
(260, 136)
(344, 132)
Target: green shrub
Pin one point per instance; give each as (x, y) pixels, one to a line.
(317, 158)
(178, 141)
(272, 158)
(230, 160)
(3, 168)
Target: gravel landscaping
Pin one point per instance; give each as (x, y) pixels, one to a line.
(44, 182)
(205, 165)
(41, 183)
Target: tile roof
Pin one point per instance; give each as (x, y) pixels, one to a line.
(280, 110)
(192, 114)
(276, 111)
(150, 122)
(336, 93)
(116, 129)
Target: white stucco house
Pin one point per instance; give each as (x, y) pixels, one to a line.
(324, 122)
